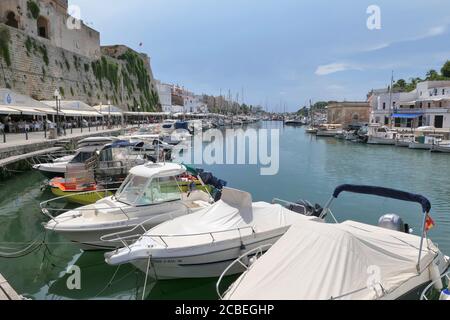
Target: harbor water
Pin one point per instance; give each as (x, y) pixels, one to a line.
(310, 168)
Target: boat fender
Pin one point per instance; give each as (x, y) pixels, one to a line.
(435, 277)
(445, 295)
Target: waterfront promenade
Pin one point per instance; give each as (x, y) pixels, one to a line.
(17, 147)
(20, 139)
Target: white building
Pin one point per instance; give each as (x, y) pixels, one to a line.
(165, 95)
(427, 105)
(176, 99)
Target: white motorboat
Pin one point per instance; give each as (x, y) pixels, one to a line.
(201, 245)
(311, 130)
(381, 135)
(346, 261)
(149, 191)
(59, 168)
(168, 126)
(329, 130)
(96, 141)
(426, 142)
(443, 147)
(404, 140)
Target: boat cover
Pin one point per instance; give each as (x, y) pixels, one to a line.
(234, 211)
(318, 261)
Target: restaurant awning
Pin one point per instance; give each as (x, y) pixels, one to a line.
(7, 110)
(407, 115)
(18, 104)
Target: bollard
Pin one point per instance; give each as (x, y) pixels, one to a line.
(4, 136)
(71, 129)
(65, 134)
(26, 134)
(81, 128)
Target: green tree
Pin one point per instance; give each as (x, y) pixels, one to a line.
(446, 69)
(432, 75)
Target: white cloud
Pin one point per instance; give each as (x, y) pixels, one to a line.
(334, 67)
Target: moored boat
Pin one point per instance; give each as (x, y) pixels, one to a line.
(201, 245)
(150, 191)
(317, 261)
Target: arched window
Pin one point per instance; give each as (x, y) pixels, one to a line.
(356, 117)
(43, 27)
(11, 20)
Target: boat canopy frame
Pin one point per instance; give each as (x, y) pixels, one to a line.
(385, 193)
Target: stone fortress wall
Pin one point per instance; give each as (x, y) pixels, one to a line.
(40, 53)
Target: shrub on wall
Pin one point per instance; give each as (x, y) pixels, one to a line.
(5, 38)
(33, 9)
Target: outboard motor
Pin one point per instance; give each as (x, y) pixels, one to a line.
(306, 208)
(393, 222)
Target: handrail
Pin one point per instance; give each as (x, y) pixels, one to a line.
(238, 260)
(423, 296)
(45, 209)
(105, 238)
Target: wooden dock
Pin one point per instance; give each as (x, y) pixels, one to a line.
(13, 159)
(6, 291)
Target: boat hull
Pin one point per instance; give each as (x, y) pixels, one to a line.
(420, 146)
(207, 265)
(381, 141)
(440, 149)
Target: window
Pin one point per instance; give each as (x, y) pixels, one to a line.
(443, 92)
(140, 191)
(11, 20)
(82, 157)
(429, 105)
(421, 105)
(160, 190)
(131, 189)
(440, 104)
(43, 27)
(384, 105)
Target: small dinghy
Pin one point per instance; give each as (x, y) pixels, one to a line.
(203, 244)
(347, 261)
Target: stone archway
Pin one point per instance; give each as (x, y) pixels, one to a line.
(43, 27)
(12, 20)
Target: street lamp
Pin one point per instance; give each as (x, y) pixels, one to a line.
(109, 114)
(57, 96)
(139, 116)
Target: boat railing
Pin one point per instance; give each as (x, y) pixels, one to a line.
(128, 235)
(210, 234)
(428, 291)
(246, 261)
(46, 210)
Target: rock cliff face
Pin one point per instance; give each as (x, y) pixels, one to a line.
(34, 66)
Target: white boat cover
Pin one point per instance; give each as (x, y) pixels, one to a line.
(230, 217)
(318, 261)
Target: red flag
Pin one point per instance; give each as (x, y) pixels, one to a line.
(429, 223)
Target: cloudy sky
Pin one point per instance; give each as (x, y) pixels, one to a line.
(281, 52)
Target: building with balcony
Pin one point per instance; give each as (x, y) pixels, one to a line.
(427, 105)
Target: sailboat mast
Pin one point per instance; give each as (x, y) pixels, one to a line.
(390, 100)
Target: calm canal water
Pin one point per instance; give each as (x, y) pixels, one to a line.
(310, 168)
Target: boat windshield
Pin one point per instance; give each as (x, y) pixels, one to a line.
(141, 191)
(82, 157)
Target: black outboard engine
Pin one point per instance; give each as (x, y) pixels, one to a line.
(393, 222)
(306, 208)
